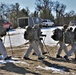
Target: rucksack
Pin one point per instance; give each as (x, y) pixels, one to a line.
(57, 35)
(69, 37)
(2, 31)
(29, 33)
(25, 35)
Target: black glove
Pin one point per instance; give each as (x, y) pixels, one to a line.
(43, 35)
(7, 29)
(3, 34)
(40, 38)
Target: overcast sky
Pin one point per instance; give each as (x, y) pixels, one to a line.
(71, 4)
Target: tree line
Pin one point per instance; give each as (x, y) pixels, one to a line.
(45, 9)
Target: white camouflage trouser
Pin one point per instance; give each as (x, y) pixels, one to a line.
(62, 47)
(41, 46)
(33, 45)
(3, 50)
(73, 49)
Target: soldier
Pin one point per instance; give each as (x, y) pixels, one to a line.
(39, 33)
(62, 43)
(73, 49)
(33, 44)
(2, 47)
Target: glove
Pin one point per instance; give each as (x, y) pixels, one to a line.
(43, 35)
(40, 38)
(7, 29)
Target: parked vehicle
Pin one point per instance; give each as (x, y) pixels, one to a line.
(6, 24)
(47, 22)
(72, 23)
(25, 21)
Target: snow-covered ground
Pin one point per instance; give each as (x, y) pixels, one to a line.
(16, 38)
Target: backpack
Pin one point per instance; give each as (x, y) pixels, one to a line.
(69, 37)
(57, 35)
(29, 33)
(2, 31)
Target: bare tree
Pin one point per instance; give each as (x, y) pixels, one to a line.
(5, 10)
(44, 7)
(70, 16)
(59, 9)
(25, 11)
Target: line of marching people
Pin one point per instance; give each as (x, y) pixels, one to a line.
(35, 41)
(63, 44)
(34, 35)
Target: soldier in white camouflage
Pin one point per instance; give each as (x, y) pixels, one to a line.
(40, 35)
(62, 43)
(73, 47)
(3, 51)
(33, 45)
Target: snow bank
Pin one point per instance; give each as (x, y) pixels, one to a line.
(16, 37)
